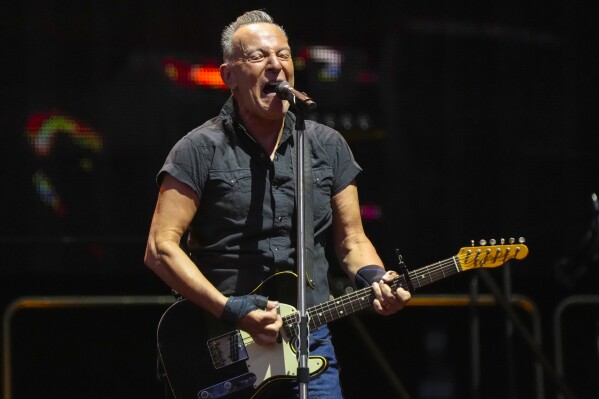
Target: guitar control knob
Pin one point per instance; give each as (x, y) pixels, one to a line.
(227, 385)
(204, 395)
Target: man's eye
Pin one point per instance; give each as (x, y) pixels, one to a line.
(257, 57)
(284, 56)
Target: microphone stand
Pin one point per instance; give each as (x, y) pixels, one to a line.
(303, 371)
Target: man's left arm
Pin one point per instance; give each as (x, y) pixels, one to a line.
(358, 257)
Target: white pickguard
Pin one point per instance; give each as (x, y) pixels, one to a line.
(278, 360)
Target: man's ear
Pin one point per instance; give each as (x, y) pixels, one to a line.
(227, 76)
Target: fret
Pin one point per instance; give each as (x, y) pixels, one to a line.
(341, 309)
(414, 279)
(351, 304)
(336, 306)
(421, 276)
(317, 317)
(455, 262)
(442, 269)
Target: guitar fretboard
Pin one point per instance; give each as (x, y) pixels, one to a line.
(353, 302)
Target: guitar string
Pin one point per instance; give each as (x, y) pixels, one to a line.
(434, 272)
(361, 298)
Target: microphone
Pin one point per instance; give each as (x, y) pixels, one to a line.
(295, 97)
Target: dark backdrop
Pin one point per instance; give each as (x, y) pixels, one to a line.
(472, 120)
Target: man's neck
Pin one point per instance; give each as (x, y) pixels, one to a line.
(266, 132)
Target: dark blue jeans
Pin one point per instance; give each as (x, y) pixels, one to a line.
(326, 385)
(323, 386)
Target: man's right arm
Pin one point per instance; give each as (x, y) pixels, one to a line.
(175, 208)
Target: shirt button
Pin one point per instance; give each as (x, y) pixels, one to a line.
(280, 218)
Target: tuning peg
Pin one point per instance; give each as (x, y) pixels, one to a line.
(483, 242)
(502, 241)
(512, 240)
(492, 241)
(521, 240)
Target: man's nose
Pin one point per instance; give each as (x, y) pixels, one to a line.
(273, 61)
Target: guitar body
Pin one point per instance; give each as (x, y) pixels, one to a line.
(204, 358)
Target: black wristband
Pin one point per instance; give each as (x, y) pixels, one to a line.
(368, 275)
(238, 306)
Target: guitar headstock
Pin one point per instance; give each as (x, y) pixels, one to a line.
(491, 255)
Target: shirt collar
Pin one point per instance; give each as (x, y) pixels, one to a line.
(229, 114)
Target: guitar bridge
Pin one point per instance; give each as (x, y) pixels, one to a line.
(227, 349)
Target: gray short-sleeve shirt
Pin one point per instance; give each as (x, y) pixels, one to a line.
(244, 229)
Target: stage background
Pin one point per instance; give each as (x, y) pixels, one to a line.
(471, 120)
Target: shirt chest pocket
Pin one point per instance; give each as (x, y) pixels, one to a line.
(230, 193)
(323, 187)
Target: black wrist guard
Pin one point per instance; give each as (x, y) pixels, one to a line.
(368, 275)
(238, 306)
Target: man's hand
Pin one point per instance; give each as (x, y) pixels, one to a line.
(386, 300)
(263, 325)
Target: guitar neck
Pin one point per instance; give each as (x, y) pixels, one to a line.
(353, 302)
(466, 259)
(437, 271)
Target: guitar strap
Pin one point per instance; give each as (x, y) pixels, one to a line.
(308, 210)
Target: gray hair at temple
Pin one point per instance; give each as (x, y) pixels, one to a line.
(249, 17)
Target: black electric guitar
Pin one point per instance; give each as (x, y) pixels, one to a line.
(204, 358)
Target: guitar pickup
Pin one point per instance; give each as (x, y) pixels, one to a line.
(228, 387)
(227, 349)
